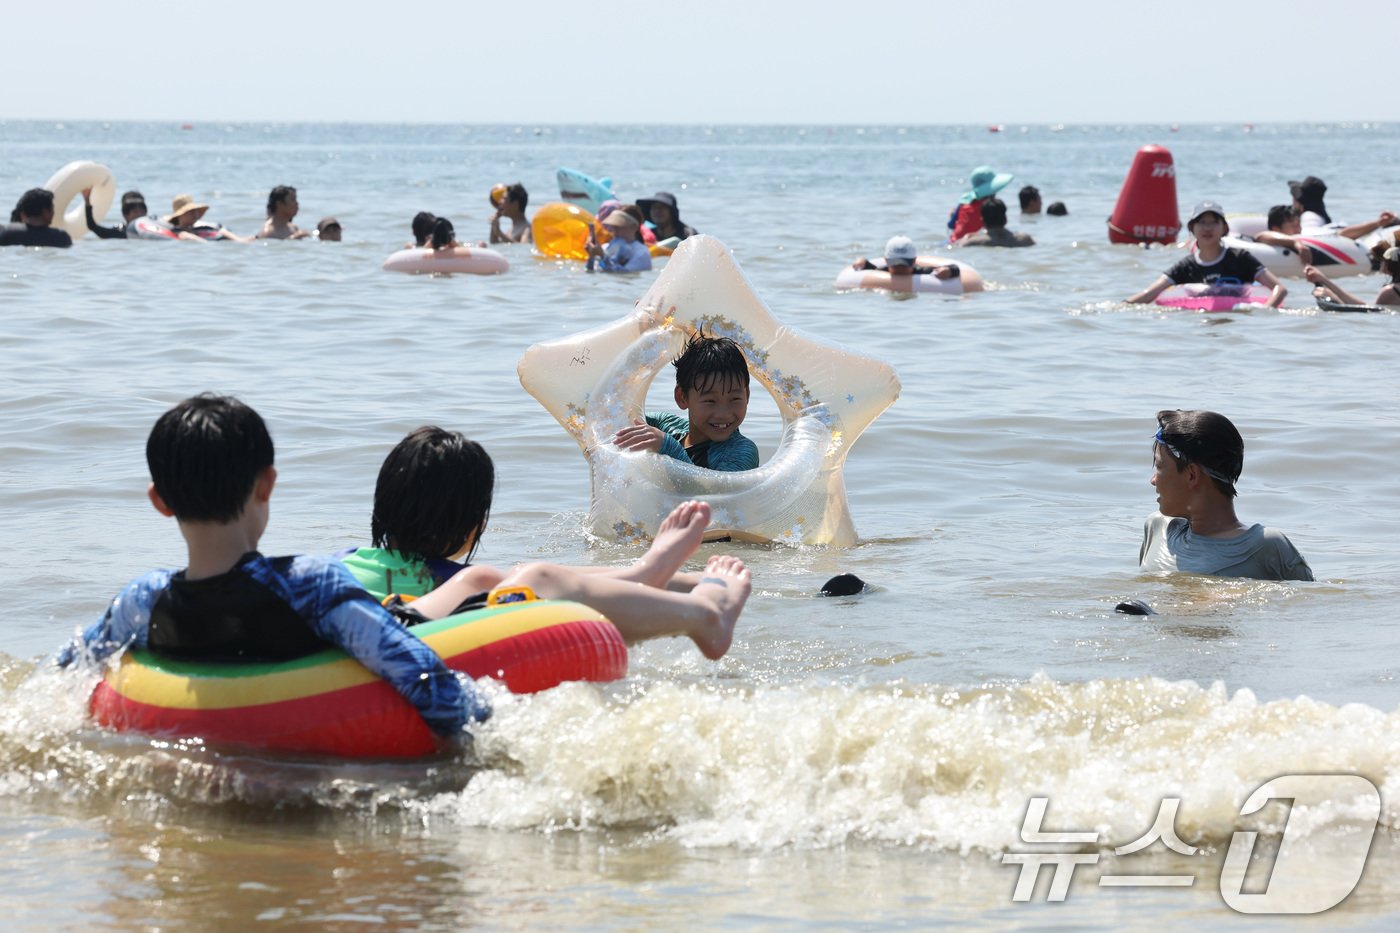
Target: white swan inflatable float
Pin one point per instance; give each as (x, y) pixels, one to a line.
(594, 383)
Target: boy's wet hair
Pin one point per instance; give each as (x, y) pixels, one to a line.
(518, 194)
(443, 233)
(1028, 195)
(710, 360)
(423, 226)
(433, 495)
(1207, 438)
(1280, 214)
(994, 212)
(205, 454)
(32, 203)
(277, 196)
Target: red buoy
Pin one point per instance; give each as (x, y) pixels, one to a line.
(1146, 209)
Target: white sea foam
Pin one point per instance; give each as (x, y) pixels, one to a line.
(824, 765)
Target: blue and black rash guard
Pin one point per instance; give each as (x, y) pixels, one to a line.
(278, 608)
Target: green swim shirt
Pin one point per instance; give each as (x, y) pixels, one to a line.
(382, 572)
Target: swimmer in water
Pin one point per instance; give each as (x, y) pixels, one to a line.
(282, 209)
(512, 209)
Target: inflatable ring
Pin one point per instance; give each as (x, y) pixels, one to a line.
(1327, 304)
(68, 183)
(329, 704)
(1334, 254)
(473, 260)
(596, 382)
(966, 281)
(561, 230)
(664, 247)
(1198, 297)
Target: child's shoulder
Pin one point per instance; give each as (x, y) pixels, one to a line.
(674, 424)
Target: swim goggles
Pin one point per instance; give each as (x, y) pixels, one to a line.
(1176, 452)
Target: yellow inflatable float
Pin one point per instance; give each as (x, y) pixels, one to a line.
(560, 231)
(596, 382)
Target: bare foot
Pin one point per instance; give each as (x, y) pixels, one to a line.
(726, 584)
(677, 538)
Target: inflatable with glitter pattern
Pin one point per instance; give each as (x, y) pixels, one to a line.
(595, 382)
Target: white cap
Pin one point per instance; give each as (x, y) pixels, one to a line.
(901, 250)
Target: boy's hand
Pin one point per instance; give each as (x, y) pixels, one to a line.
(640, 436)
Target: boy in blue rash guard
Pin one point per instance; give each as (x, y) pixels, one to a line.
(211, 468)
(712, 387)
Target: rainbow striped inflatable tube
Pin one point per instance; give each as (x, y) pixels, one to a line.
(329, 704)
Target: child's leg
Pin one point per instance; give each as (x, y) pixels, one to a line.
(676, 540)
(706, 615)
(466, 582)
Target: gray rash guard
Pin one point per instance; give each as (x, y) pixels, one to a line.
(1259, 553)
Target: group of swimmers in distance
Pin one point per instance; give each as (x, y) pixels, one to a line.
(32, 221)
(632, 228)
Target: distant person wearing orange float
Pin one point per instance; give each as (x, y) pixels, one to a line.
(510, 202)
(625, 252)
(967, 216)
(1213, 263)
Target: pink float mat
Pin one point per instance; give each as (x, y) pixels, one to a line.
(1213, 297)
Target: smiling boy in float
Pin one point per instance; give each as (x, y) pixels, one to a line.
(431, 504)
(900, 257)
(712, 388)
(210, 459)
(1213, 263)
(1197, 458)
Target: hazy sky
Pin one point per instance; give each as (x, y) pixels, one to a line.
(704, 61)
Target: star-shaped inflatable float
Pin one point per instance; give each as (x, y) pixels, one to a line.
(596, 382)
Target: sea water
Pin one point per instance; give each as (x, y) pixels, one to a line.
(856, 761)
